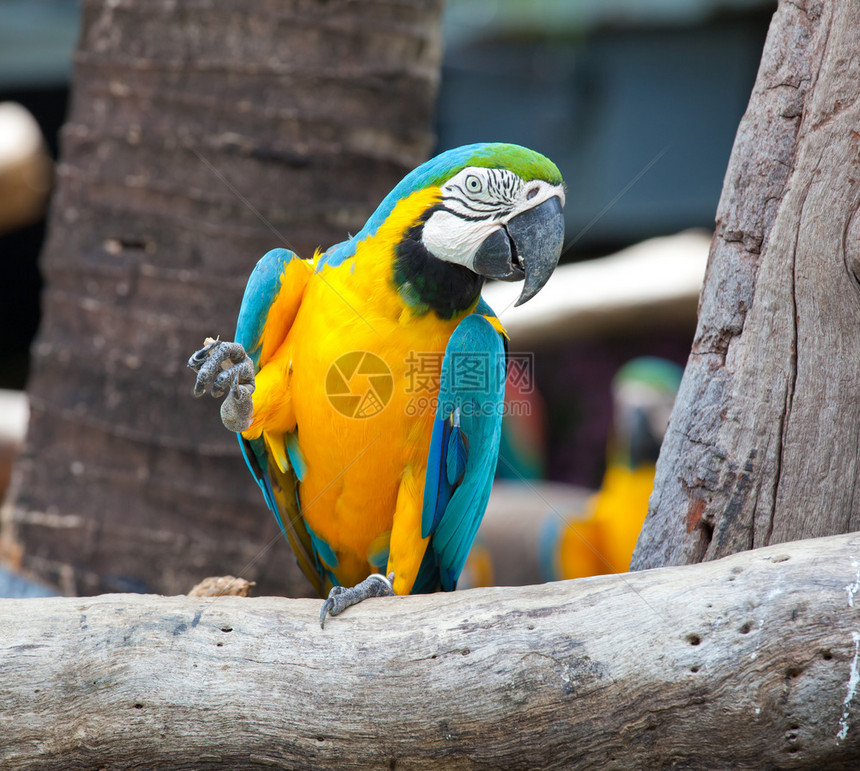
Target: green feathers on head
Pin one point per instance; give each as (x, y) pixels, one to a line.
(660, 374)
(525, 163)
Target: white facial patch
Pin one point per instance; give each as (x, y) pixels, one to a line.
(475, 203)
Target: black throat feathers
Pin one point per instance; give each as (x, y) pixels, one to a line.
(424, 280)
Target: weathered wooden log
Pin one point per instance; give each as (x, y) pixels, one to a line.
(746, 662)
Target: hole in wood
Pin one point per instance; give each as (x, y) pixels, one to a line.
(745, 627)
(226, 628)
(707, 530)
(120, 244)
(693, 639)
(827, 654)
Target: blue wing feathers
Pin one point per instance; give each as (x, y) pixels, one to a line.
(294, 452)
(263, 286)
(464, 445)
(254, 453)
(323, 550)
(456, 460)
(279, 489)
(437, 489)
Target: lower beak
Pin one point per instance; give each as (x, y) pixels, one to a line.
(527, 247)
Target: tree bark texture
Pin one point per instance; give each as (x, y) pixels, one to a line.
(201, 135)
(762, 446)
(746, 662)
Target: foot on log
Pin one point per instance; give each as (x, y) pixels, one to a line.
(225, 368)
(342, 597)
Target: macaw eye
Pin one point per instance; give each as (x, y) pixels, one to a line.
(473, 184)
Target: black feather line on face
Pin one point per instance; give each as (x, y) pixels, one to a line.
(443, 287)
(487, 212)
(463, 215)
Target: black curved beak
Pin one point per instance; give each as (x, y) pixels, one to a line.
(527, 247)
(644, 445)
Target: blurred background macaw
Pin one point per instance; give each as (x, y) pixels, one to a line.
(601, 538)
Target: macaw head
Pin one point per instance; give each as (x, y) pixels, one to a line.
(493, 211)
(499, 214)
(643, 393)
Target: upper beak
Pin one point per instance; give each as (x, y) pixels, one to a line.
(528, 246)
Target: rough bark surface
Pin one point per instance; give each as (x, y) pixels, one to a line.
(762, 446)
(202, 134)
(746, 662)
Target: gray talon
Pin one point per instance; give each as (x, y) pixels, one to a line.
(223, 381)
(199, 357)
(342, 597)
(225, 368)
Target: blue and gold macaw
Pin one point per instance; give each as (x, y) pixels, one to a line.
(602, 539)
(364, 472)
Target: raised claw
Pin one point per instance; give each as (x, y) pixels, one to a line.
(225, 368)
(215, 359)
(342, 597)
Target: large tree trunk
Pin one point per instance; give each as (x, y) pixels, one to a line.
(201, 135)
(746, 662)
(763, 442)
